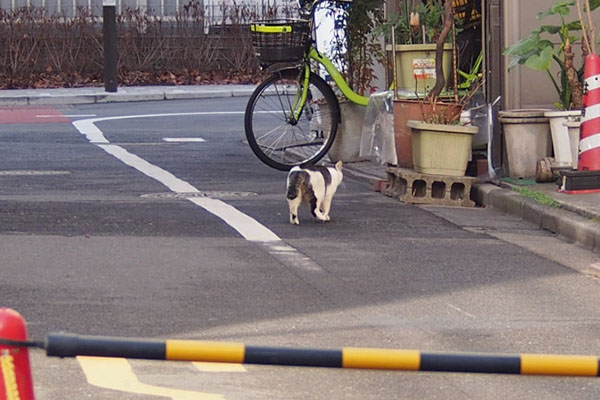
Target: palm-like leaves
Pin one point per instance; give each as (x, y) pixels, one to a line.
(539, 53)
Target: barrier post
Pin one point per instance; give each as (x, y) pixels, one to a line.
(16, 382)
(110, 45)
(587, 178)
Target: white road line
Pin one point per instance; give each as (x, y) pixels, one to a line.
(95, 135)
(245, 225)
(165, 177)
(183, 140)
(117, 374)
(65, 115)
(32, 173)
(87, 128)
(460, 310)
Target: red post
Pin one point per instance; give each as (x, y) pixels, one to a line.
(589, 144)
(16, 381)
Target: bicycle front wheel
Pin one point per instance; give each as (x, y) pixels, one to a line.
(282, 132)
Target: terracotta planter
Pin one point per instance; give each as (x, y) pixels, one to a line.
(405, 110)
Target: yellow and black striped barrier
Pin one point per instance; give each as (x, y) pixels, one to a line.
(70, 345)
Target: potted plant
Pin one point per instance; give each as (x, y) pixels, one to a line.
(539, 52)
(415, 30)
(440, 143)
(549, 48)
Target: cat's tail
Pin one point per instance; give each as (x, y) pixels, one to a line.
(294, 181)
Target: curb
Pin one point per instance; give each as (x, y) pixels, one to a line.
(565, 223)
(124, 94)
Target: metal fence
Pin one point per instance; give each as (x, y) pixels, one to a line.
(213, 9)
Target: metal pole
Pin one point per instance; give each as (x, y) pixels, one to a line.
(110, 45)
(394, 63)
(70, 345)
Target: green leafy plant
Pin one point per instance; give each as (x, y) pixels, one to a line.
(357, 49)
(540, 197)
(416, 24)
(539, 52)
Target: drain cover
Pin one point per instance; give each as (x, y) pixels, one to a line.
(216, 194)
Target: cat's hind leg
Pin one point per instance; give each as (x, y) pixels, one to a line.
(316, 206)
(294, 204)
(327, 207)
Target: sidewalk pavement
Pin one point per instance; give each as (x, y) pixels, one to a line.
(575, 217)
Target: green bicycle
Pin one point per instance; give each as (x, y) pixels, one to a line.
(292, 117)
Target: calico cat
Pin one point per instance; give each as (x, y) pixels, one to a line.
(315, 185)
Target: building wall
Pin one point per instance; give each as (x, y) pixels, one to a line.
(523, 87)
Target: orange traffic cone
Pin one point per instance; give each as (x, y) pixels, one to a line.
(587, 178)
(15, 379)
(589, 144)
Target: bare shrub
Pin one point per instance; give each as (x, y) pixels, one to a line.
(21, 45)
(42, 50)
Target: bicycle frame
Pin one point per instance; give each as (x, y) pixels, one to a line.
(335, 74)
(337, 77)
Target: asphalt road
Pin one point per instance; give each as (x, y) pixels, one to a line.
(106, 228)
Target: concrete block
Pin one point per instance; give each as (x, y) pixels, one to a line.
(508, 202)
(417, 188)
(551, 220)
(577, 230)
(533, 212)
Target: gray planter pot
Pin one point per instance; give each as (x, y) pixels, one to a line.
(527, 138)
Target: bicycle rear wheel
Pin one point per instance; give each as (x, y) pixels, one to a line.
(275, 136)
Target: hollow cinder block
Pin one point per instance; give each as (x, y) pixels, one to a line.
(417, 188)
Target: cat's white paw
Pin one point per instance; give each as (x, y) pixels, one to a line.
(321, 217)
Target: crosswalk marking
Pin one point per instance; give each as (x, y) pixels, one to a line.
(117, 374)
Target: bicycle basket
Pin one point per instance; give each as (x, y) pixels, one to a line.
(280, 40)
